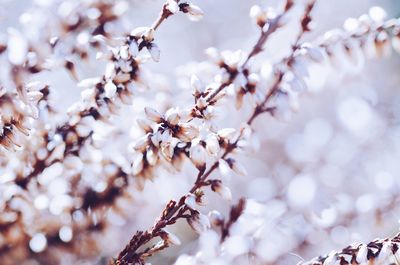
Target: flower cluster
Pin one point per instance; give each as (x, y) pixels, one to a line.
(379, 251)
(72, 180)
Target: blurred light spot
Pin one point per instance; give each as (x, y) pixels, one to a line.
(340, 235)
(41, 202)
(301, 191)
(365, 203)
(38, 243)
(59, 203)
(351, 24)
(261, 189)
(317, 132)
(58, 186)
(236, 245)
(354, 113)
(384, 180)
(377, 13)
(65, 233)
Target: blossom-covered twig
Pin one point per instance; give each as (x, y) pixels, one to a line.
(184, 208)
(287, 82)
(64, 144)
(379, 251)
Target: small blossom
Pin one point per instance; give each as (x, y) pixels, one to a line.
(138, 32)
(199, 222)
(194, 12)
(142, 143)
(222, 190)
(172, 116)
(223, 167)
(110, 89)
(137, 165)
(144, 124)
(227, 133)
(172, 6)
(258, 15)
(216, 218)
(133, 48)
(171, 238)
(152, 114)
(198, 155)
(154, 52)
(190, 201)
(196, 85)
(212, 144)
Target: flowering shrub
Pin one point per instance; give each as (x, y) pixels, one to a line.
(211, 166)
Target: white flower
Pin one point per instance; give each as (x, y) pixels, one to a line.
(172, 6)
(212, 144)
(142, 143)
(144, 124)
(194, 12)
(226, 133)
(110, 71)
(222, 190)
(172, 116)
(89, 82)
(396, 43)
(152, 114)
(124, 52)
(190, 201)
(223, 167)
(171, 238)
(362, 254)
(151, 157)
(199, 222)
(137, 165)
(188, 132)
(110, 89)
(133, 48)
(138, 32)
(198, 155)
(377, 14)
(216, 218)
(154, 52)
